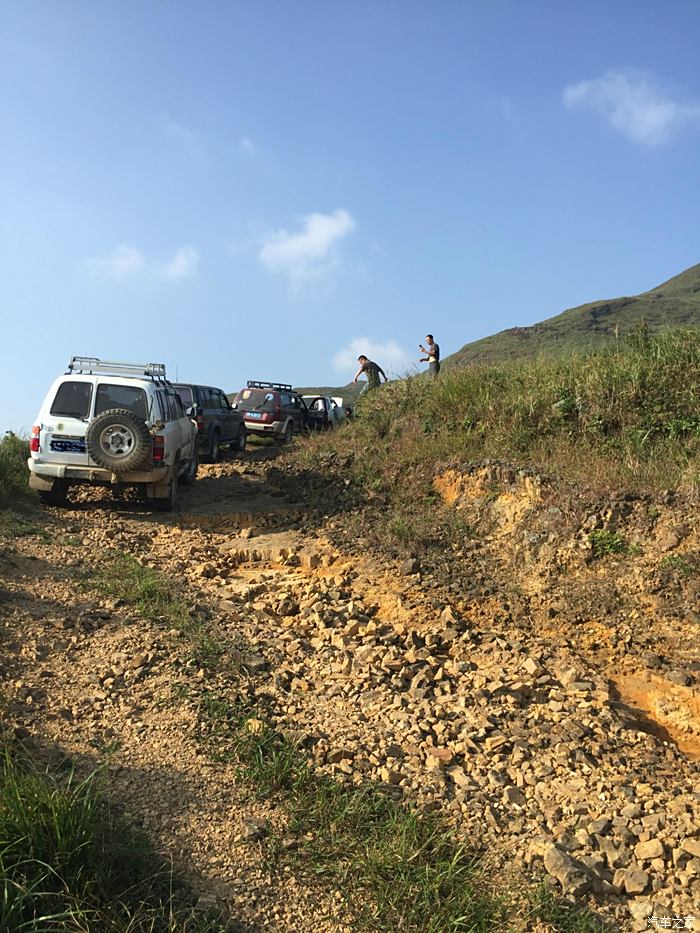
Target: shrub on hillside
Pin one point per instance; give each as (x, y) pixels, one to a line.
(14, 452)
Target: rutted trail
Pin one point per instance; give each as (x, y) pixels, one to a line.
(506, 721)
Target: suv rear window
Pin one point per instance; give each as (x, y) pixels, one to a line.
(72, 400)
(130, 397)
(256, 400)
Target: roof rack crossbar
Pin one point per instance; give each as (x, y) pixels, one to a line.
(255, 384)
(91, 364)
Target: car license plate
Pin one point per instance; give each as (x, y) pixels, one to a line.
(68, 447)
(256, 415)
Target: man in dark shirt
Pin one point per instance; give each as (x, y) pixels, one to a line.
(371, 370)
(432, 355)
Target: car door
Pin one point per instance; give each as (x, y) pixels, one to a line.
(229, 421)
(63, 426)
(314, 408)
(295, 412)
(208, 414)
(187, 429)
(172, 430)
(236, 416)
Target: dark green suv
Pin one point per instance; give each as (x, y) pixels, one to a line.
(218, 425)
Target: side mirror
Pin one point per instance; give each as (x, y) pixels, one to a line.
(234, 404)
(191, 411)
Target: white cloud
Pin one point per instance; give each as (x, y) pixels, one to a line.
(634, 104)
(183, 265)
(246, 145)
(392, 357)
(126, 262)
(122, 263)
(310, 253)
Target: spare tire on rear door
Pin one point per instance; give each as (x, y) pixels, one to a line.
(118, 440)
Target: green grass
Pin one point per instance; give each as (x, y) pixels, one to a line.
(16, 498)
(14, 474)
(683, 564)
(621, 418)
(562, 915)
(604, 543)
(157, 598)
(398, 870)
(68, 863)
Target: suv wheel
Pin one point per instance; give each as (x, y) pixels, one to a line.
(167, 504)
(214, 447)
(288, 435)
(118, 440)
(55, 496)
(190, 474)
(241, 441)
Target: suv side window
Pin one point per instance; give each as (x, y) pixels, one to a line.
(174, 406)
(133, 398)
(221, 400)
(163, 405)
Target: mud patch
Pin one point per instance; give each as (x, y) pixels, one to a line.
(669, 711)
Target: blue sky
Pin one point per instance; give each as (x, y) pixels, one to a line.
(260, 189)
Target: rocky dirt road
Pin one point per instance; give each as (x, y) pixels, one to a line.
(553, 715)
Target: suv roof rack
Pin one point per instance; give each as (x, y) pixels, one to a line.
(283, 386)
(91, 364)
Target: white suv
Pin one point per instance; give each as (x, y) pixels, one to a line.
(114, 424)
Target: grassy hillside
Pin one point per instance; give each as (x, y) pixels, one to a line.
(676, 303)
(625, 417)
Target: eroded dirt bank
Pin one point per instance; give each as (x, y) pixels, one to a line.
(541, 688)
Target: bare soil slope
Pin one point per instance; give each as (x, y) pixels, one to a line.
(540, 688)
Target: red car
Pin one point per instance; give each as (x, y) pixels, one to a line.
(272, 409)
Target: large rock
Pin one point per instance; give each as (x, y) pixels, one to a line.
(570, 874)
(633, 880)
(691, 846)
(645, 851)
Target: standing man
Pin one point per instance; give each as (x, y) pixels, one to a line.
(372, 371)
(432, 355)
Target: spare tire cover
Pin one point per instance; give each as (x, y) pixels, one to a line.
(119, 440)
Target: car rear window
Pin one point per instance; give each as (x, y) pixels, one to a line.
(130, 397)
(256, 400)
(72, 400)
(185, 393)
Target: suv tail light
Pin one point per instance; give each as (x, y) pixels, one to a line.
(199, 418)
(34, 439)
(158, 448)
